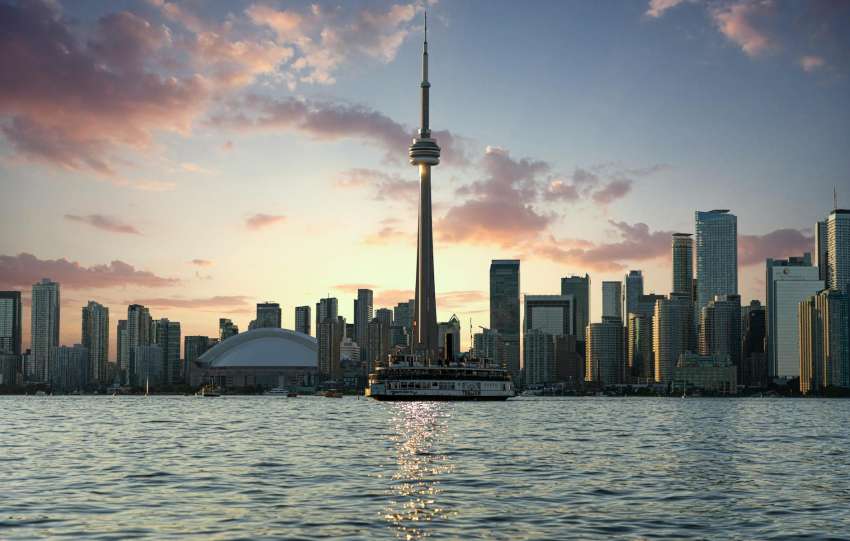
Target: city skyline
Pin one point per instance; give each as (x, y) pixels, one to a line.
(562, 198)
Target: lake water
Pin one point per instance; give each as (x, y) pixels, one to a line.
(310, 468)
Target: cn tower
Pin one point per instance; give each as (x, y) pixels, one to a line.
(424, 152)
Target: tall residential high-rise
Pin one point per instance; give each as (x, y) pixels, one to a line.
(268, 315)
(425, 153)
(824, 342)
(226, 329)
(838, 250)
(633, 290)
(753, 355)
(639, 347)
(605, 358)
(363, 314)
(385, 315)
(148, 363)
(166, 335)
(378, 341)
(612, 300)
(70, 371)
(326, 308)
(671, 330)
(546, 318)
(10, 322)
(193, 348)
(645, 310)
(403, 314)
(683, 263)
(138, 335)
(822, 251)
(579, 288)
(788, 282)
(717, 255)
(44, 326)
(488, 345)
(330, 334)
(123, 350)
(302, 319)
(541, 364)
(504, 309)
(95, 335)
(720, 329)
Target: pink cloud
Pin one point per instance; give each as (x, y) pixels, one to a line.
(737, 22)
(658, 7)
(260, 221)
(389, 233)
(216, 302)
(105, 223)
(755, 249)
(385, 187)
(201, 262)
(812, 63)
(612, 191)
(25, 269)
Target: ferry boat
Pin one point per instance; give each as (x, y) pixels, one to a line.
(407, 377)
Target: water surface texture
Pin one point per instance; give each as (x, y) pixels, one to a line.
(318, 468)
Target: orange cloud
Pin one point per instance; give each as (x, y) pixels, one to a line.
(105, 223)
(25, 269)
(260, 221)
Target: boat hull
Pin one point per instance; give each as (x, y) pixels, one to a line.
(436, 397)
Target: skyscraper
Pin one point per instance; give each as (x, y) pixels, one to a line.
(403, 314)
(363, 314)
(645, 311)
(822, 251)
(138, 335)
(612, 300)
(788, 282)
(504, 309)
(167, 336)
(671, 330)
(824, 347)
(579, 288)
(717, 255)
(720, 329)
(10, 322)
(639, 347)
(425, 153)
(378, 341)
(683, 263)
(330, 334)
(95, 335)
(123, 347)
(546, 317)
(838, 250)
(268, 315)
(226, 329)
(302, 319)
(326, 308)
(605, 358)
(633, 290)
(193, 348)
(44, 326)
(70, 371)
(753, 356)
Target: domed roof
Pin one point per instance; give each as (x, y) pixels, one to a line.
(264, 348)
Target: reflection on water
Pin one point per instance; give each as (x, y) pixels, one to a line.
(418, 430)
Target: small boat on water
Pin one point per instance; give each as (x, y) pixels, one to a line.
(208, 392)
(280, 391)
(332, 393)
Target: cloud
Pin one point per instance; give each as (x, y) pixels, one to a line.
(390, 297)
(461, 299)
(812, 63)
(352, 288)
(201, 262)
(74, 103)
(389, 233)
(658, 7)
(755, 249)
(216, 302)
(329, 121)
(612, 191)
(260, 221)
(25, 269)
(105, 223)
(737, 22)
(385, 187)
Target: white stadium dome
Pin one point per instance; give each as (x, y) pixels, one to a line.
(264, 348)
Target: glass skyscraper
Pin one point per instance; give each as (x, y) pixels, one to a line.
(504, 309)
(10, 322)
(579, 288)
(683, 263)
(838, 250)
(717, 255)
(44, 326)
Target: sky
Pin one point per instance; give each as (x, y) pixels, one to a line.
(200, 157)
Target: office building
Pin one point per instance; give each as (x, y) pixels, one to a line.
(824, 348)
(138, 335)
(579, 288)
(302, 319)
(488, 345)
(148, 362)
(645, 310)
(379, 338)
(166, 335)
(44, 326)
(10, 322)
(326, 308)
(612, 300)
(633, 283)
(363, 314)
(838, 250)
(788, 282)
(546, 318)
(717, 255)
(269, 316)
(720, 329)
(753, 355)
(708, 373)
(95, 335)
(403, 314)
(226, 329)
(683, 263)
(540, 365)
(330, 332)
(448, 339)
(671, 331)
(639, 348)
(605, 357)
(822, 251)
(123, 350)
(504, 310)
(11, 372)
(70, 370)
(193, 348)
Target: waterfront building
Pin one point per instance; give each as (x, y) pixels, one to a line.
(403, 315)
(327, 308)
(302, 319)
(788, 282)
(612, 300)
(139, 325)
(717, 255)
(671, 331)
(546, 318)
(579, 288)
(720, 328)
(709, 373)
(10, 322)
(753, 355)
(10, 369)
(95, 338)
(838, 250)
(166, 334)
(824, 349)
(448, 339)
(70, 370)
(123, 350)
(44, 327)
(193, 348)
(633, 283)
(504, 310)
(605, 357)
(148, 361)
(639, 347)
(226, 329)
(269, 316)
(363, 314)
(380, 342)
(683, 263)
(645, 310)
(488, 344)
(400, 336)
(385, 315)
(822, 251)
(540, 357)
(330, 333)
